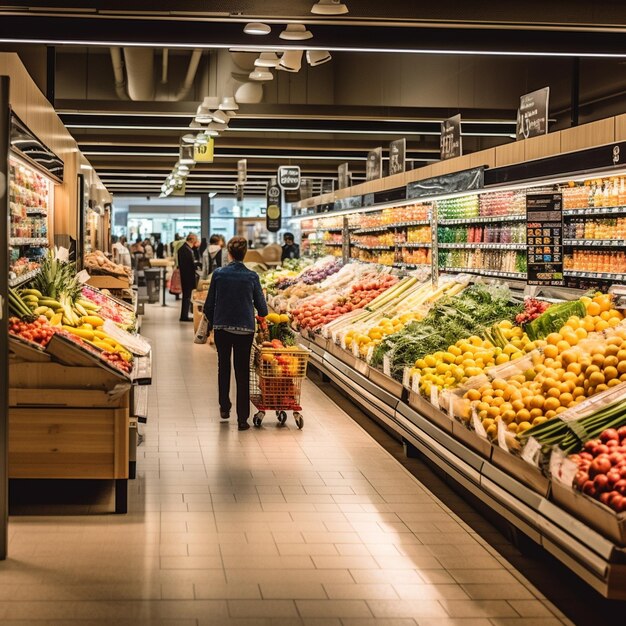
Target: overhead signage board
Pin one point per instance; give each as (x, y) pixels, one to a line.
(306, 188)
(544, 239)
(240, 192)
(532, 115)
(204, 153)
(451, 142)
(274, 212)
(374, 164)
(343, 172)
(397, 157)
(289, 177)
(466, 180)
(242, 171)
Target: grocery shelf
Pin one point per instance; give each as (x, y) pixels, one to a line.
(414, 245)
(384, 227)
(37, 213)
(363, 247)
(596, 243)
(598, 275)
(337, 229)
(591, 556)
(482, 246)
(483, 272)
(332, 243)
(28, 241)
(411, 266)
(595, 211)
(483, 219)
(24, 278)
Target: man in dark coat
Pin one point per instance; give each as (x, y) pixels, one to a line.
(187, 267)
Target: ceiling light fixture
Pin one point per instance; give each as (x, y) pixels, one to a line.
(189, 138)
(267, 59)
(220, 117)
(216, 127)
(203, 115)
(329, 7)
(195, 124)
(261, 74)
(296, 32)
(229, 104)
(291, 61)
(257, 28)
(201, 139)
(317, 57)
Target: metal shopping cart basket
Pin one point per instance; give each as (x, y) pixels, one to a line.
(276, 376)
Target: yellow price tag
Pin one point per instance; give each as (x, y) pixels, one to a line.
(204, 154)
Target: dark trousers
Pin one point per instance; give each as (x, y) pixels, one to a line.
(186, 304)
(240, 346)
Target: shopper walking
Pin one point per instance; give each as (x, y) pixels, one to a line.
(187, 268)
(160, 248)
(291, 250)
(121, 254)
(214, 256)
(148, 249)
(234, 294)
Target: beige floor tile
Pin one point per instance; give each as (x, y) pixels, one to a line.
(333, 608)
(292, 591)
(262, 608)
(407, 608)
(366, 591)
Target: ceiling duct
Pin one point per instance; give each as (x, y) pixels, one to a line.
(140, 73)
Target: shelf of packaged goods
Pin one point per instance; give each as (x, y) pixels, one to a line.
(360, 246)
(37, 213)
(595, 211)
(411, 266)
(594, 558)
(483, 272)
(336, 229)
(332, 243)
(414, 244)
(24, 278)
(597, 275)
(483, 219)
(36, 242)
(384, 227)
(482, 246)
(595, 243)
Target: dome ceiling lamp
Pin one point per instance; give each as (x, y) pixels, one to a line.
(267, 59)
(257, 28)
(318, 57)
(329, 7)
(291, 61)
(296, 32)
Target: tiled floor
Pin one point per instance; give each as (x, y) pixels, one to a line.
(267, 527)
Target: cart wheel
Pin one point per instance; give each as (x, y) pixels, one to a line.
(257, 420)
(281, 416)
(299, 420)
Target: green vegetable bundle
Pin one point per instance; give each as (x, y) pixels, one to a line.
(554, 319)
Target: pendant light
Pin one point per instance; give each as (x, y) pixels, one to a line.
(267, 59)
(296, 32)
(188, 138)
(203, 115)
(329, 7)
(229, 104)
(317, 57)
(220, 117)
(291, 61)
(261, 74)
(257, 28)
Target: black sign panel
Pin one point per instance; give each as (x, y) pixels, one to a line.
(451, 144)
(544, 238)
(532, 115)
(397, 157)
(242, 171)
(374, 164)
(289, 177)
(467, 180)
(306, 188)
(240, 192)
(292, 196)
(274, 208)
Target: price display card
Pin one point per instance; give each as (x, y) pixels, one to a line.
(544, 238)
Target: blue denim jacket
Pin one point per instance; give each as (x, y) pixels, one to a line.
(234, 293)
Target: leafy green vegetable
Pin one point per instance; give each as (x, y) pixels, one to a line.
(553, 319)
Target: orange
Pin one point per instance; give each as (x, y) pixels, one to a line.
(553, 338)
(551, 351)
(593, 308)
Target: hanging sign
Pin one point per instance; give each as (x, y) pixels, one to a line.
(465, 180)
(306, 188)
(544, 238)
(397, 157)
(240, 192)
(451, 143)
(274, 207)
(532, 115)
(204, 153)
(374, 164)
(344, 176)
(289, 177)
(242, 171)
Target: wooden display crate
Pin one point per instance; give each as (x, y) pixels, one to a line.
(85, 398)
(56, 376)
(109, 282)
(78, 443)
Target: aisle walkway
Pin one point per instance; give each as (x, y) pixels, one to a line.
(276, 527)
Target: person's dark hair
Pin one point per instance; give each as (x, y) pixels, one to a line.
(237, 248)
(123, 240)
(191, 237)
(215, 240)
(288, 237)
(138, 240)
(113, 238)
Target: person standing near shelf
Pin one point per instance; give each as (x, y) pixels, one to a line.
(121, 254)
(214, 256)
(291, 250)
(187, 267)
(234, 294)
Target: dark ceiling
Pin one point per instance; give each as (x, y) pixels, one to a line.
(483, 55)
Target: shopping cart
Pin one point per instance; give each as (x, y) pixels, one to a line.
(276, 376)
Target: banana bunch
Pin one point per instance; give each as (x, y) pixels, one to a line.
(66, 313)
(98, 338)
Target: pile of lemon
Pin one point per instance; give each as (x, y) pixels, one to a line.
(366, 338)
(577, 362)
(470, 357)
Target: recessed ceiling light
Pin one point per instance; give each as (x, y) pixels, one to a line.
(291, 61)
(267, 59)
(296, 32)
(317, 57)
(257, 28)
(229, 104)
(261, 74)
(329, 7)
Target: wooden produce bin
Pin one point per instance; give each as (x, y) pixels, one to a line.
(109, 282)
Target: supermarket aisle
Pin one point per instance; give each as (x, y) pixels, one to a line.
(270, 527)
